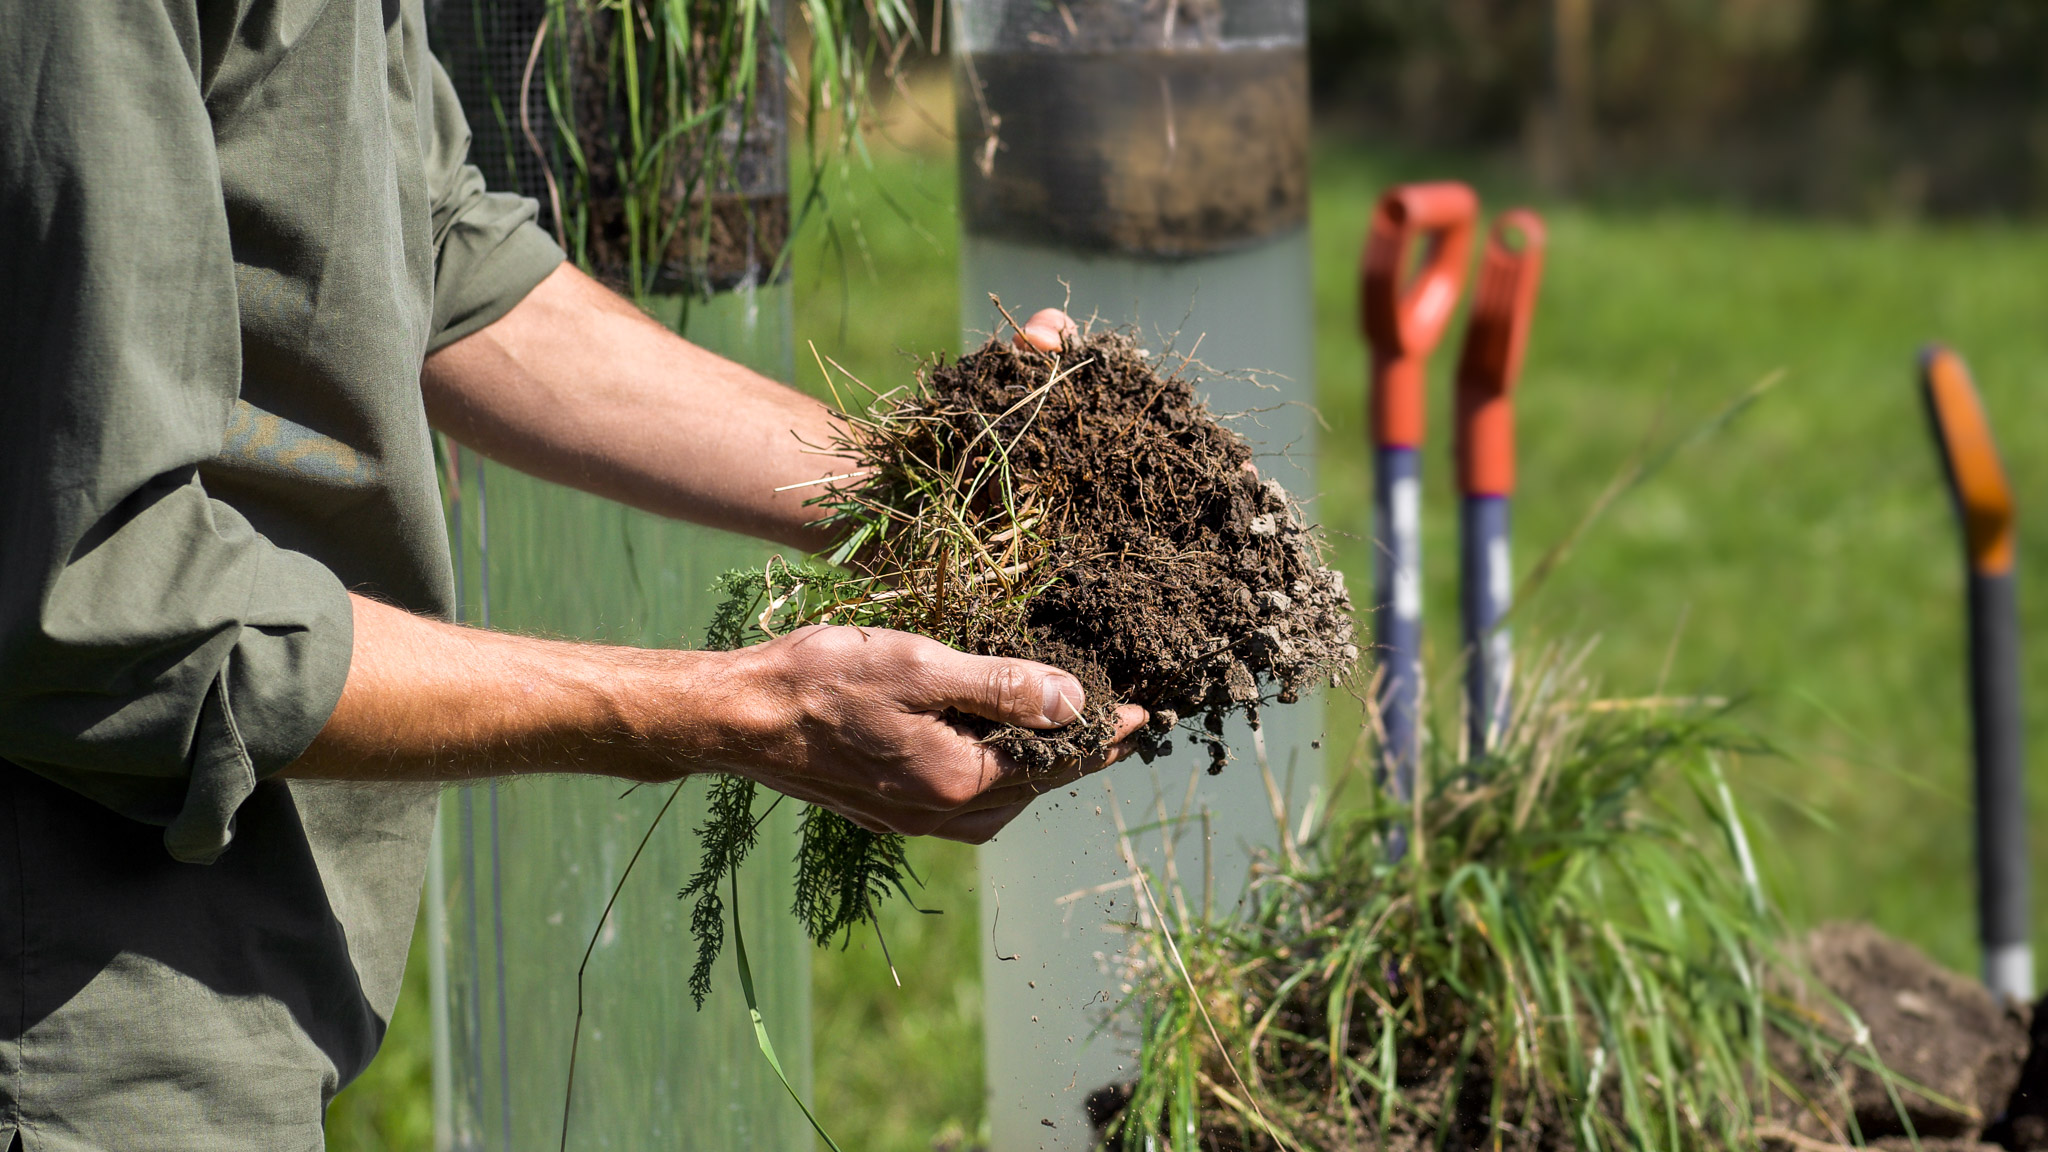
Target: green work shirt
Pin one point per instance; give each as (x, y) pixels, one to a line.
(230, 230)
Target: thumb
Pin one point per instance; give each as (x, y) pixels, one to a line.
(1021, 692)
(1046, 330)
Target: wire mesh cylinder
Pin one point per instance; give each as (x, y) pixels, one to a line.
(717, 215)
(523, 869)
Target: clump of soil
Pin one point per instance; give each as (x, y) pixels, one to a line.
(1139, 150)
(1931, 1027)
(1083, 508)
(1983, 1066)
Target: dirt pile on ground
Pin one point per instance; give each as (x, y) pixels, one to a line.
(1953, 1051)
(1083, 508)
(1436, 1080)
(1969, 1073)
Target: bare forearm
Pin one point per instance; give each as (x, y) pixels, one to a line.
(852, 718)
(432, 701)
(578, 386)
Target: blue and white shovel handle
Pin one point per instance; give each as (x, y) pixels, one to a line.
(1487, 369)
(1404, 315)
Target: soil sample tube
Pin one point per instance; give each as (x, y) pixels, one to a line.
(522, 872)
(1984, 505)
(1144, 165)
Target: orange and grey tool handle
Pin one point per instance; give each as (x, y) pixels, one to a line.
(1404, 316)
(1488, 367)
(1984, 504)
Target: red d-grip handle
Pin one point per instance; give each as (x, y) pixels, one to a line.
(1404, 321)
(1495, 339)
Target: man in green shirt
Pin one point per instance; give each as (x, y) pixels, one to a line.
(244, 269)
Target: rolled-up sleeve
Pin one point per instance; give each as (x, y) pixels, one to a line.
(489, 249)
(156, 653)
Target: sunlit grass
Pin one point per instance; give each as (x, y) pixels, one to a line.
(1574, 949)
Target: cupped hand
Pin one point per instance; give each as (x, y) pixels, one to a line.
(853, 719)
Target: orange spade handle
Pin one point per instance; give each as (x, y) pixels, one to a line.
(1404, 321)
(1491, 361)
(1969, 456)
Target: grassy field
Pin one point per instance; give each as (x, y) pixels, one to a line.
(1802, 559)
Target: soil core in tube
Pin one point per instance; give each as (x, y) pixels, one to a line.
(1171, 153)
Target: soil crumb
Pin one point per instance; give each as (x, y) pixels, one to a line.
(1120, 534)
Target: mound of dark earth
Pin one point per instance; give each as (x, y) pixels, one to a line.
(1932, 1028)
(1173, 577)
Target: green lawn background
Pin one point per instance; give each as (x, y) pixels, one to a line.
(1802, 559)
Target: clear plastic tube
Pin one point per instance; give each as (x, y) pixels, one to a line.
(525, 867)
(1147, 166)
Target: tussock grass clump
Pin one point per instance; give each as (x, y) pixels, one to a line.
(1566, 958)
(1079, 507)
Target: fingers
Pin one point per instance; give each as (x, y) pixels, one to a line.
(1021, 692)
(1129, 718)
(1016, 783)
(979, 827)
(1046, 330)
(980, 824)
(972, 820)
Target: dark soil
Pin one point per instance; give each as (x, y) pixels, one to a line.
(1175, 578)
(1433, 1084)
(724, 200)
(1157, 153)
(719, 244)
(1171, 130)
(1931, 1027)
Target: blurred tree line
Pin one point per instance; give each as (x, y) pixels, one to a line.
(1867, 107)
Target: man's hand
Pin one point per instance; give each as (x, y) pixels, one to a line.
(577, 386)
(854, 719)
(850, 718)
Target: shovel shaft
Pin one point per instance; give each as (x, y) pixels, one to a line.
(1984, 507)
(1397, 596)
(1484, 446)
(1404, 313)
(1487, 589)
(1998, 717)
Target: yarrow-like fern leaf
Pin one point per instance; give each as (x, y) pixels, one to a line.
(843, 871)
(727, 835)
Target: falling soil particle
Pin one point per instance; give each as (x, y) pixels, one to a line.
(1169, 574)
